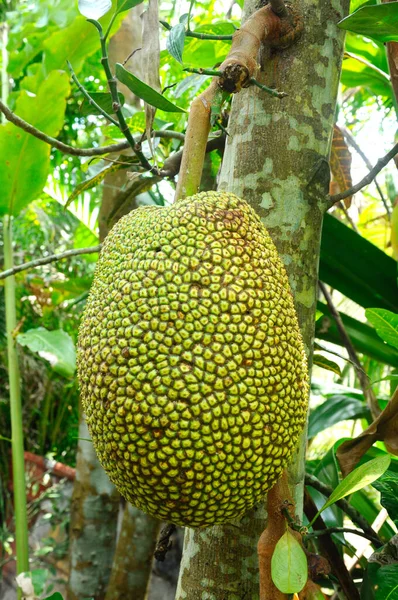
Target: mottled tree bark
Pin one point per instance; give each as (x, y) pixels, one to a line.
(133, 556)
(95, 505)
(276, 158)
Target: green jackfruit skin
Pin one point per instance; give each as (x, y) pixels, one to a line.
(191, 365)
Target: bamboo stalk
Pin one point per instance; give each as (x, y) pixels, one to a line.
(18, 464)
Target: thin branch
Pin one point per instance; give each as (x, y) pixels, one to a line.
(351, 140)
(350, 511)
(71, 150)
(89, 98)
(330, 551)
(329, 530)
(48, 259)
(267, 89)
(112, 85)
(362, 376)
(381, 163)
(199, 36)
(172, 164)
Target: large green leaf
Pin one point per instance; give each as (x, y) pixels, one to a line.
(144, 91)
(24, 160)
(357, 268)
(289, 569)
(55, 346)
(103, 99)
(358, 73)
(386, 324)
(123, 5)
(358, 478)
(373, 52)
(379, 22)
(364, 338)
(335, 409)
(387, 485)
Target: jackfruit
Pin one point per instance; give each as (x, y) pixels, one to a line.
(191, 365)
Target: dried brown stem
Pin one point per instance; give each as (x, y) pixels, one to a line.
(330, 551)
(362, 377)
(195, 142)
(276, 527)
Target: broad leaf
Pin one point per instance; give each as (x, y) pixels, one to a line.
(379, 22)
(386, 583)
(289, 569)
(358, 479)
(384, 428)
(103, 99)
(55, 596)
(25, 160)
(123, 5)
(94, 9)
(320, 361)
(175, 41)
(334, 410)
(387, 485)
(364, 337)
(56, 347)
(357, 268)
(143, 91)
(386, 324)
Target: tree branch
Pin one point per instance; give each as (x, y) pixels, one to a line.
(381, 163)
(329, 530)
(279, 8)
(48, 259)
(362, 376)
(330, 551)
(350, 511)
(71, 150)
(352, 141)
(199, 36)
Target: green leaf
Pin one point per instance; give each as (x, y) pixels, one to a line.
(123, 5)
(25, 160)
(356, 73)
(379, 22)
(55, 596)
(386, 583)
(363, 273)
(289, 569)
(55, 346)
(143, 91)
(335, 409)
(103, 99)
(175, 41)
(207, 53)
(364, 337)
(386, 324)
(387, 485)
(100, 176)
(358, 479)
(320, 361)
(94, 9)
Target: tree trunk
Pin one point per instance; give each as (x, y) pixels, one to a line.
(133, 556)
(95, 505)
(277, 159)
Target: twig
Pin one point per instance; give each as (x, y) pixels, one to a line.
(164, 544)
(89, 98)
(267, 89)
(381, 163)
(112, 85)
(48, 259)
(71, 150)
(199, 36)
(342, 207)
(329, 530)
(172, 164)
(330, 551)
(362, 376)
(351, 140)
(200, 71)
(349, 510)
(130, 56)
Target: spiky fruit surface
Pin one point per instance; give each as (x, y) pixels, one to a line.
(191, 365)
